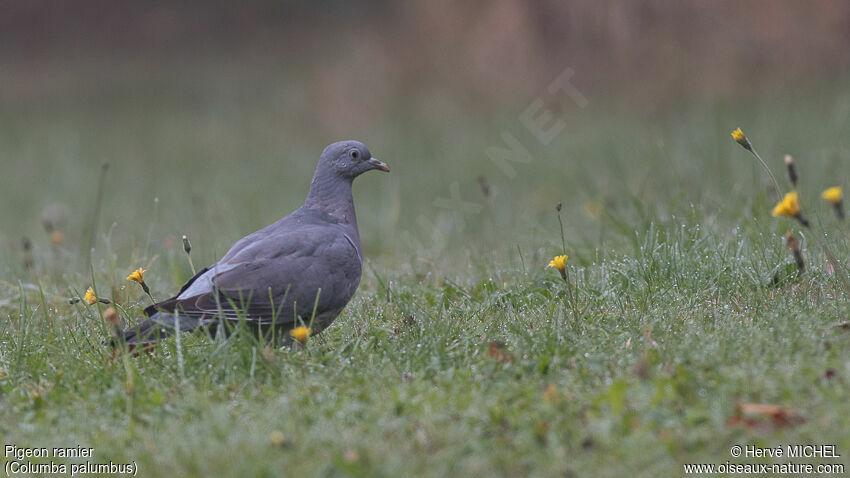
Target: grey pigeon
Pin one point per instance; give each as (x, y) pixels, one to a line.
(274, 278)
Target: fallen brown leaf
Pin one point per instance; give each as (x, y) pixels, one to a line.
(494, 350)
(755, 414)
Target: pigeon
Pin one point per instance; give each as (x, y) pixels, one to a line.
(299, 271)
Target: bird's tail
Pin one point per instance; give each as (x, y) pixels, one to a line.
(156, 327)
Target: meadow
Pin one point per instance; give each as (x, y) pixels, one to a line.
(462, 353)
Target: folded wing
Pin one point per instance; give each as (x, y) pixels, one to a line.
(326, 267)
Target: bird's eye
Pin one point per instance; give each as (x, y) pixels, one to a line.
(354, 154)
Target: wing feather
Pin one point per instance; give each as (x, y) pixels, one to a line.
(274, 280)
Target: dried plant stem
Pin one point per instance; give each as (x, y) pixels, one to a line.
(563, 239)
(565, 273)
(92, 232)
(191, 264)
(769, 173)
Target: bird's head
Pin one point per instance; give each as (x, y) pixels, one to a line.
(349, 159)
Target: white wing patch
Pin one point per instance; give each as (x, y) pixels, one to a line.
(203, 284)
(350, 241)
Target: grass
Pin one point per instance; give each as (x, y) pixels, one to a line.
(672, 253)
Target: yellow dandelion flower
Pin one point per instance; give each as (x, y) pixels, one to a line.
(559, 262)
(741, 139)
(137, 276)
(833, 195)
(301, 333)
(90, 298)
(789, 206)
(738, 135)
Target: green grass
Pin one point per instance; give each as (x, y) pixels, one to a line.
(677, 323)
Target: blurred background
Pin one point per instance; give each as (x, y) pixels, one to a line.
(211, 117)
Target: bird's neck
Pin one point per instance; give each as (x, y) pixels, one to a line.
(332, 194)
